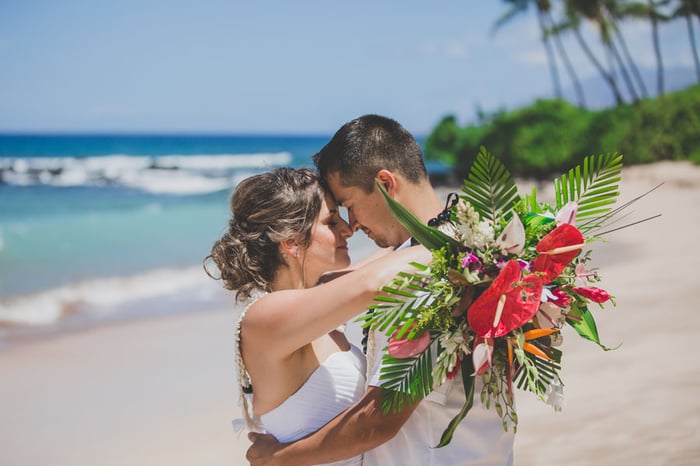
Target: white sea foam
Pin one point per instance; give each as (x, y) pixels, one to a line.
(100, 297)
(169, 174)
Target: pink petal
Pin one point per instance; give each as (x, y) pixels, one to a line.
(405, 348)
(567, 214)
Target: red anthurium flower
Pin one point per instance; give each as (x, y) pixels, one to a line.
(507, 304)
(405, 348)
(557, 248)
(597, 295)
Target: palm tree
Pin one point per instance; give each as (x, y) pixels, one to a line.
(545, 10)
(545, 22)
(655, 17)
(521, 6)
(617, 11)
(688, 9)
(573, 9)
(597, 11)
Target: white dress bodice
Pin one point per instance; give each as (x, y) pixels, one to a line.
(334, 386)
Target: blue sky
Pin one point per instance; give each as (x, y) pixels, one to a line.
(273, 66)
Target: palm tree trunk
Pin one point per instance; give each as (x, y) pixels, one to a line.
(623, 70)
(691, 34)
(553, 71)
(657, 49)
(632, 65)
(606, 76)
(569, 68)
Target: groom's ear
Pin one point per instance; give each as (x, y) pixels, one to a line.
(388, 181)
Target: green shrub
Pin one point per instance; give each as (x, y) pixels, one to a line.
(551, 136)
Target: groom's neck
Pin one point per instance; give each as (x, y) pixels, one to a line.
(423, 202)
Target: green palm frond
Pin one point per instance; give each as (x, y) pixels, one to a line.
(489, 187)
(406, 380)
(537, 373)
(593, 185)
(428, 236)
(400, 306)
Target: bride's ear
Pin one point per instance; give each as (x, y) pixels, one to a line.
(290, 248)
(388, 181)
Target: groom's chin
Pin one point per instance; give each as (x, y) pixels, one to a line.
(380, 242)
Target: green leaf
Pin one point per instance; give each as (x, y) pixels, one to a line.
(430, 237)
(489, 187)
(585, 326)
(594, 186)
(406, 380)
(468, 379)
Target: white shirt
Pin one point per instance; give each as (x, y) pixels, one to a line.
(478, 440)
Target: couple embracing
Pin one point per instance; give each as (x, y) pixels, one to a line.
(308, 395)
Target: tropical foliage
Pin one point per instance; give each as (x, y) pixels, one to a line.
(558, 19)
(508, 273)
(551, 135)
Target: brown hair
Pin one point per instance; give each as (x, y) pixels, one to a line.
(365, 145)
(266, 209)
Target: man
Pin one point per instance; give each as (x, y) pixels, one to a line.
(363, 150)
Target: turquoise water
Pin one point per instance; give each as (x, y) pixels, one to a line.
(102, 225)
(78, 207)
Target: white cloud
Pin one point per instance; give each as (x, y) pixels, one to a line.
(456, 49)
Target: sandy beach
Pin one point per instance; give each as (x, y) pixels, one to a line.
(161, 391)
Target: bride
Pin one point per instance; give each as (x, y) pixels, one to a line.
(296, 371)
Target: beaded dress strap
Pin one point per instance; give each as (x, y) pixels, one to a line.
(245, 386)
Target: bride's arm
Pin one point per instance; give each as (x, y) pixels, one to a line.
(287, 320)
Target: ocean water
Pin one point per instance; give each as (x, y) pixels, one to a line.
(100, 227)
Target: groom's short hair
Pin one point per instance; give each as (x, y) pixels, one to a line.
(365, 145)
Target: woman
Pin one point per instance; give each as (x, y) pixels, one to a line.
(299, 371)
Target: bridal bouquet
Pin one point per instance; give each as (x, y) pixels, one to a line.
(508, 274)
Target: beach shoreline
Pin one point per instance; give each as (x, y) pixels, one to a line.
(161, 390)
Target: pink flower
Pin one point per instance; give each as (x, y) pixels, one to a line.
(567, 214)
(405, 348)
(562, 299)
(469, 259)
(597, 295)
(582, 273)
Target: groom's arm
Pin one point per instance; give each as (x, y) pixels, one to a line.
(360, 428)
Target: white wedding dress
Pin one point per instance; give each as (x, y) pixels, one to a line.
(334, 386)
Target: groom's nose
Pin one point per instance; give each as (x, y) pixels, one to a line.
(354, 224)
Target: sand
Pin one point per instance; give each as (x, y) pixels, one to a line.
(161, 391)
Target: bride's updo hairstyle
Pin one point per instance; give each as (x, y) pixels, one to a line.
(266, 209)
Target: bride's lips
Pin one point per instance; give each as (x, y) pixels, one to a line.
(343, 246)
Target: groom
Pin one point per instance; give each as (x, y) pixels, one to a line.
(363, 150)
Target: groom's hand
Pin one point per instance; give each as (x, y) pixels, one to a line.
(261, 453)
